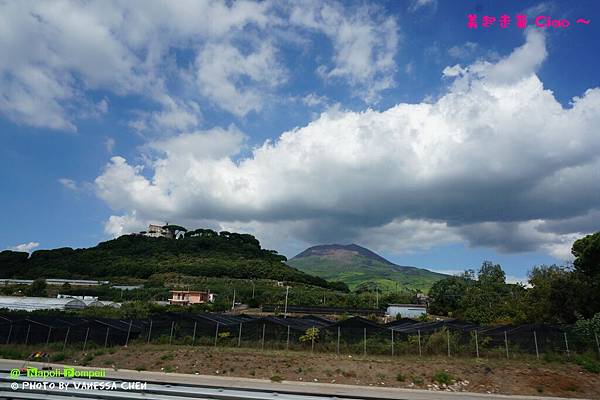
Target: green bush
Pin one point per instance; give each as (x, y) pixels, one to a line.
(443, 377)
(58, 357)
(588, 363)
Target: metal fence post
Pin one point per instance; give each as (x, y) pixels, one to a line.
(106, 338)
(150, 332)
(476, 343)
(27, 336)
(419, 333)
(194, 334)
(287, 341)
(506, 343)
(597, 343)
(537, 350)
(262, 341)
(364, 342)
(66, 338)
(240, 336)
(87, 333)
(338, 340)
(448, 334)
(9, 333)
(171, 334)
(392, 342)
(128, 332)
(216, 334)
(567, 345)
(49, 333)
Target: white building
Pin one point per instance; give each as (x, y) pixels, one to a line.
(158, 231)
(406, 310)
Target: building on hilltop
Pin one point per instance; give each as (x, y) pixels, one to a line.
(158, 231)
(187, 297)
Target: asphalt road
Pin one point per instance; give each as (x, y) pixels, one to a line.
(172, 386)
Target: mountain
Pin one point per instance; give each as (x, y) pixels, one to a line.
(200, 253)
(354, 265)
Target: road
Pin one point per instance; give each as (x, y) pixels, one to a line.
(172, 386)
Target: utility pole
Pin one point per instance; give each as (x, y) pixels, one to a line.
(377, 297)
(233, 303)
(252, 287)
(287, 291)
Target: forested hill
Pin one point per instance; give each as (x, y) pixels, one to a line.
(202, 252)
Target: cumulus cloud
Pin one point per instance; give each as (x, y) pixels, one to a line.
(57, 57)
(488, 164)
(25, 247)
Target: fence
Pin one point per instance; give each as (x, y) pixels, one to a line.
(354, 336)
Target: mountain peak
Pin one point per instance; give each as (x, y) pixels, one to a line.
(341, 251)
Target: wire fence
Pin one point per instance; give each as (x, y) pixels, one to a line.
(354, 336)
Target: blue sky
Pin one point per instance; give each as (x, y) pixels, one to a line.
(387, 124)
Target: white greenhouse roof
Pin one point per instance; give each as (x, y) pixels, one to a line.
(39, 303)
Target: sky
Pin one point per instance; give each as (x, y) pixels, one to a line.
(392, 125)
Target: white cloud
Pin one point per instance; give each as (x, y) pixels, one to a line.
(109, 144)
(418, 4)
(463, 51)
(25, 247)
(364, 43)
(68, 183)
(56, 57)
(487, 163)
(173, 116)
(222, 69)
(120, 225)
(313, 100)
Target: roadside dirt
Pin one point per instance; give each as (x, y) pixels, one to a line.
(525, 377)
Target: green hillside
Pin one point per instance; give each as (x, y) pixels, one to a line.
(355, 265)
(202, 252)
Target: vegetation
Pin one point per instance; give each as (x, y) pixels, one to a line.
(556, 294)
(361, 269)
(201, 252)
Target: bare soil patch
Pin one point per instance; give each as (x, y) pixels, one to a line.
(519, 376)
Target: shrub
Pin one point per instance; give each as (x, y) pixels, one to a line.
(442, 377)
(58, 357)
(400, 377)
(588, 363)
(310, 335)
(276, 378)
(417, 380)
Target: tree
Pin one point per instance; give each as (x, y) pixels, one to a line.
(37, 288)
(491, 274)
(446, 295)
(176, 230)
(587, 255)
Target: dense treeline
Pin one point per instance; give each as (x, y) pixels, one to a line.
(202, 252)
(555, 294)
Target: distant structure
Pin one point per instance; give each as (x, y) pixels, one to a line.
(406, 310)
(82, 298)
(40, 303)
(187, 297)
(158, 231)
(72, 282)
